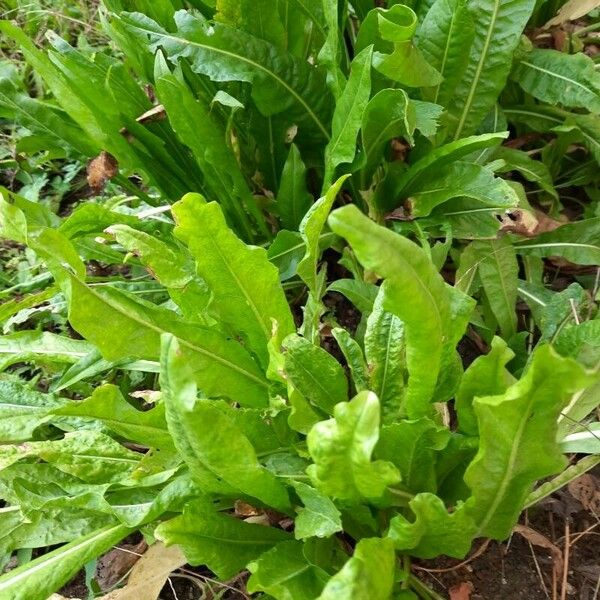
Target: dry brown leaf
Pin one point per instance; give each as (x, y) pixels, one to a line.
(586, 489)
(537, 539)
(150, 574)
(461, 591)
(115, 564)
(100, 170)
(572, 10)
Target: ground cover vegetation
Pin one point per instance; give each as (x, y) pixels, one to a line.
(304, 288)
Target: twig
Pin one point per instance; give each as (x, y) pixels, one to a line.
(565, 573)
(537, 568)
(471, 558)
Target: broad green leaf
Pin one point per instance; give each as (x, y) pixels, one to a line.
(106, 404)
(499, 271)
(341, 449)
(409, 274)
(445, 37)
(518, 441)
(554, 77)
(370, 573)
(319, 516)
(486, 376)
(576, 339)
(354, 358)
(22, 411)
(204, 135)
(393, 188)
(246, 293)
(461, 179)
(36, 580)
(286, 252)
(385, 352)
(434, 530)
(411, 446)
(261, 19)
(401, 60)
(224, 544)
(361, 293)
(586, 441)
(314, 373)
(577, 242)
(44, 347)
(170, 266)
(198, 427)
(12, 307)
(498, 27)
(284, 573)
(293, 199)
(330, 55)
(348, 115)
(427, 115)
(280, 81)
(111, 319)
(389, 114)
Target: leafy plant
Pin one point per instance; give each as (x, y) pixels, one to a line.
(213, 369)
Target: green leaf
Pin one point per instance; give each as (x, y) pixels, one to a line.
(518, 441)
(558, 78)
(445, 37)
(293, 199)
(461, 179)
(354, 358)
(36, 580)
(499, 272)
(285, 574)
(314, 373)
(360, 293)
(111, 319)
(246, 293)
(319, 516)
(341, 449)
(22, 411)
(107, 405)
(261, 19)
(348, 115)
(224, 544)
(434, 530)
(370, 573)
(280, 81)
(44, 347)
(498, 27)
(286, 251)
(486, 376)
(385, 351)
(389, 114)
(330, 55)
(408, 273)
(411, 446)
(577, 242)
(210, 461)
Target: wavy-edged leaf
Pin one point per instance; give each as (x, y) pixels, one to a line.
(319, 516)
(558, 78)
(578, 242)
(330, 54)
(498, 27)
(518, 441)
(354, 358)
(314, 373)
(434, 530)
(106, 404)
(461, 179)
(369, 573)
(246, 293)
(293, 199)
(280, 81)
(36, 580)
(385, 352)
(341, 449)
(348, 115)
(111, 319)
(225, 544)
(408, 273)
(198, 427)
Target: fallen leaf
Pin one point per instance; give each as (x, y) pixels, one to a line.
(100, 170)
(586, 489)
(572, 10)
(149, 574)
(537, 539)
(461, 591)
(115, 564)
